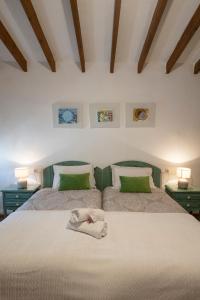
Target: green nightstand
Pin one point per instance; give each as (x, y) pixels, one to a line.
(188, 199)
(14, 197)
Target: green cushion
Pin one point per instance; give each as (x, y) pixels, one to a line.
(74, 182)
(135, 184)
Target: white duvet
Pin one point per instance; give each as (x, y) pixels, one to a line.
(145, 256)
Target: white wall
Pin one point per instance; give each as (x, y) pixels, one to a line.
(26, 129)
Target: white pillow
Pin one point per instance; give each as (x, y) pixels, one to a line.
(72, 170)
(118, 171)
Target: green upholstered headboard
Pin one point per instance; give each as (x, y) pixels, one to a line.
(48, 173)
(107, 173)
(103, 177)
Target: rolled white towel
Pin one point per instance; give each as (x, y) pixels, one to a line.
(97, 229)
(85, 214)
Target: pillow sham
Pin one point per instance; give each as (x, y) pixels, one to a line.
(74, 182)
(72, 170)
(135, 184)
(118, 171)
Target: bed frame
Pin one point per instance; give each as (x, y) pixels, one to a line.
(107, 172)
(103, 177)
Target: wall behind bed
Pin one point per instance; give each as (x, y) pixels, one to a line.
(27, 135)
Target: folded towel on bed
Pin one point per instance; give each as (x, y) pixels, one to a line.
(97, 229)
(86, 214)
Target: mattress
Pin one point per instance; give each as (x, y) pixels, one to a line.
(51, 199)
(144, 256)
(157, 201)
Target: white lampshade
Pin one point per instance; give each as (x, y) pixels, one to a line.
(183, 173)
(21, 173)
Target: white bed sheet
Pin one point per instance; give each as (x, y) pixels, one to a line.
(144, 256)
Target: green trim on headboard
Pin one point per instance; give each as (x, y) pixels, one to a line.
(107, 173)
(98, 175)
(48, 173)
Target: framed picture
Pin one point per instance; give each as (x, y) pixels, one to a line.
(104, 115)
(140, 114)
(67, 115)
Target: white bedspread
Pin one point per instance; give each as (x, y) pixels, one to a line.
(145, 256)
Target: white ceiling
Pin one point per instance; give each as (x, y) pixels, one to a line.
(96, 17)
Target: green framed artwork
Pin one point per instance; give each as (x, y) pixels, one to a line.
(105, 115)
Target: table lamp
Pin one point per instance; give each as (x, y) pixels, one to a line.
(183, 174)
(21, 174)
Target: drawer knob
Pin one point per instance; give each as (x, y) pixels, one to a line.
(17, 196)
(188, 204)
(188, 197)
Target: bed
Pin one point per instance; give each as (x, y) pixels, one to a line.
(49, 198)
(146, 255)
(155, 202)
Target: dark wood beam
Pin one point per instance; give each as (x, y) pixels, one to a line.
(77, 27)
(116, 18)
(158, 12)
(12, 47)
(197, 67)
(33, 19)
(188, 33)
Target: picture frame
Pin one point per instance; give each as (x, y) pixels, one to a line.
(140, 114)
(104, 115)
(67, 115)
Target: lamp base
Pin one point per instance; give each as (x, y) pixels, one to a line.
(22, 184)
(183, 184)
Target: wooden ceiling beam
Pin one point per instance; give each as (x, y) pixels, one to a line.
(116, 18)
(188, 33)
(158, 12)
(197, 67)
(33, 19)
(77, 27)
(12, 47)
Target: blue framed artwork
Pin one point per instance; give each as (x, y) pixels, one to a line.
(67, 115)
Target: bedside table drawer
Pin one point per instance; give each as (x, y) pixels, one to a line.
(187, 197)
(14, 202)
(14, 197)
(190, 204)
(14, 206)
